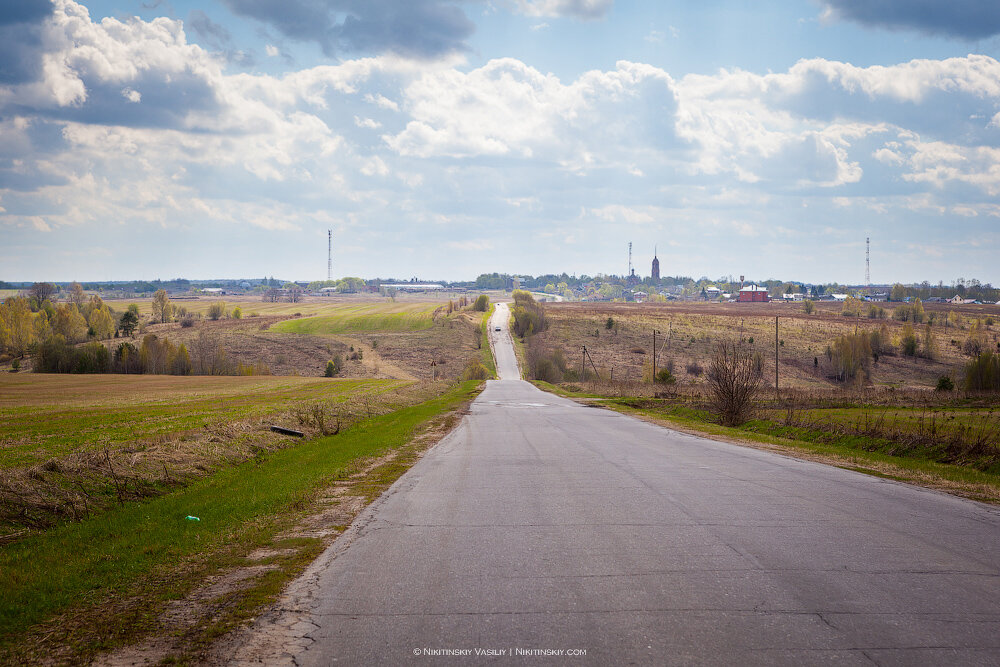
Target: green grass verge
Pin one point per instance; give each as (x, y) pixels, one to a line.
(485, 349)
(364, 318)
(560, 391)
(82, 571)
(942, 422)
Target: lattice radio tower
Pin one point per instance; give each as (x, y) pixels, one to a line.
(629, 259)
(329, 254)
(868, 263)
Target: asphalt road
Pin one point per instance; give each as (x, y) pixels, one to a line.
(502, 345)
(543, 525)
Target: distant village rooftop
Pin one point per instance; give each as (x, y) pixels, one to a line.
(416, 287)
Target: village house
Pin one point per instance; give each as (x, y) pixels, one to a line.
(753, 294)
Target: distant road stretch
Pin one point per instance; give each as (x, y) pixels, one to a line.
(503, 345)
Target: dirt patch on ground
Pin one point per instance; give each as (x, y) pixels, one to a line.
(273, 636)
(184, 614)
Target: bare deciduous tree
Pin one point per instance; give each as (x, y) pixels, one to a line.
(734, 378)
(42, 291)
(76, 294)
(162, 310)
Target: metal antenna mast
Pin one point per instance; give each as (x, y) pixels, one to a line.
(329, 254)
(629, 258)
(868, 264)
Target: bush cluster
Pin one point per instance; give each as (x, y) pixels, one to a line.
(334, 366)
(545, 364)
(481, 304)
(983, 372)
(474, 370)
(851, 356)
(912, 312)
(734, 378)
(154, 356)
(529, 316)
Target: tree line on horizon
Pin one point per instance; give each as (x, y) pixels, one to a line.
(609, 286)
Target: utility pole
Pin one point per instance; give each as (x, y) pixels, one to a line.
(776, 357)
(594, 366)
(868, 264)
(583, 364)
(654, 355)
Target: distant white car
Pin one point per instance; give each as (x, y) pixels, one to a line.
(497, 329)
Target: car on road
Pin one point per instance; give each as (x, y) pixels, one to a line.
(497, 329)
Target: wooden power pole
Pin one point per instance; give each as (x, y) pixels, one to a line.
(776, 357)
(654, 355)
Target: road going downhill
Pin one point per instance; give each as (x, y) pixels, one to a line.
(543, 525)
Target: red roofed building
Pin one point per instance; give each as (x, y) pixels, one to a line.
(754, 294)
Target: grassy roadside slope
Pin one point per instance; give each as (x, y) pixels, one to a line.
(486, 350)
(101, 582)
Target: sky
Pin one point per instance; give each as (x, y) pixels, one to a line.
(441, 139)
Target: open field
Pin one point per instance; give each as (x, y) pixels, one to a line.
(72, 446)
(141, 569)
(369, 318)
(306, 306)
(688, 332)
(48, 416)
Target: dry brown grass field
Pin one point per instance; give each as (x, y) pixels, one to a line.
(688, 332)
(361, 329)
